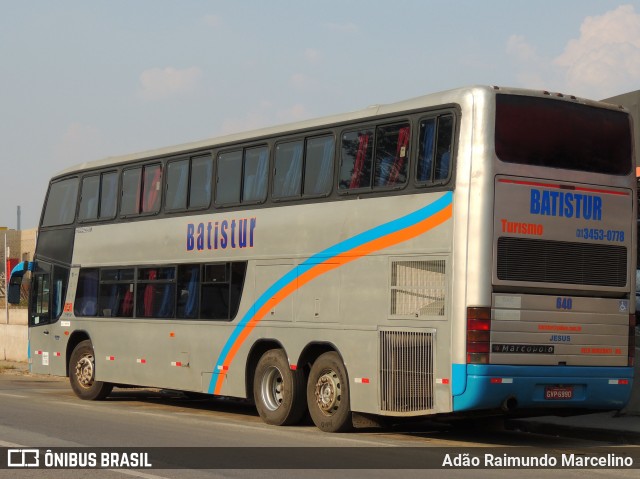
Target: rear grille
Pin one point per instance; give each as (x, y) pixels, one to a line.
(545, 261)
(406, 371)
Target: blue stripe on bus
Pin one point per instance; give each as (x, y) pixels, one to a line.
(323, 256)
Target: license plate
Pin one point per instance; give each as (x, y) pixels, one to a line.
(558, 392)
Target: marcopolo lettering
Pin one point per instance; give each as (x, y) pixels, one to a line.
(566, 204)
(223, 234)
(522, 349)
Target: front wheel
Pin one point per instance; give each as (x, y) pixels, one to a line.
(328, 394)
(277, 390)
(82, 374)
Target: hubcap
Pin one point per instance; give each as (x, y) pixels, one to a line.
(328, 392)
(271, 388)
(84, 371)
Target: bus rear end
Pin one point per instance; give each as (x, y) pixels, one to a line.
(559, 331)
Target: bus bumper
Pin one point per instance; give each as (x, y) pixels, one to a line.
(492, 386)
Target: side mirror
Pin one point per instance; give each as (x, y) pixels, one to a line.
(13, 297)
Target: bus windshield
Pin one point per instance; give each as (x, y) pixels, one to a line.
(559, 134)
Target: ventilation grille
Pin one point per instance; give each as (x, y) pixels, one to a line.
(418, 288)
(544, 261)
(406, 371)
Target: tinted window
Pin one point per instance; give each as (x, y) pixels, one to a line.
(61, 203)
(151, 189)
(177, 184)
(561, 134)
(357, 156)
(86, 302)
(221, 290)
(188, 294)
(131, 192)
(254, 183)
(318, 165)
(156, 293)
(435, 149)
(108, 195)
(116, 293)
(98, 197)
(200, 186)
(89, 198)
(392, 154)
(229, 178)
(287, 176)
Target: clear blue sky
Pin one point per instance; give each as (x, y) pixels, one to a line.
(82, 80)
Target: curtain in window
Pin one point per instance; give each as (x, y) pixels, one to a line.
(363, 143)
(323, 180)
(398, 164)
(293, 178)
(426, 148)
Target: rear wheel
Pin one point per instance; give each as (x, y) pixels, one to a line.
(277, 390)
(82, 374)
(328, 394)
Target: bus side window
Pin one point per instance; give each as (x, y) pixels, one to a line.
(318, 165)
(151, 189)
(392, 153)
(229, 177)
(188, 286)
(61, 203)
(256, 165)
(200, 184)
(156, 292)
(177, 184)
(287, 177)
(357, 156)
(86, 301)
(89, 197)
(98, 197)
(108, 195)
(434, 156)
(116, 293)
(221, 290)
(130, 204)
(443, 149)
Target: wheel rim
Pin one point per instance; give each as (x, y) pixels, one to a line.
(328, 392)
(84, 371)
(271, 388)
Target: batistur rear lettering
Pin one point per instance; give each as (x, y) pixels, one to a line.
(566, 205)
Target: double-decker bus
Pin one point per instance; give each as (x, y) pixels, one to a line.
(472, 250)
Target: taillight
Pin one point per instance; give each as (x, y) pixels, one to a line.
(632, 339)
(478, 335)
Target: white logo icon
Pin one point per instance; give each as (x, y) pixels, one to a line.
(23, 458)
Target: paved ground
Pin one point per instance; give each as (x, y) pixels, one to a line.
(616, 427)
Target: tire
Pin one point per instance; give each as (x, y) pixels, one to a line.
(328, 394)
(82, 374)
(278, 391)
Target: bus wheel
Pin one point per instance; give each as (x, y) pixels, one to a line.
(277, 390)
(328, 394)
(82, 373)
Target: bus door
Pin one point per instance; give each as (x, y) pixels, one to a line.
(48, 290)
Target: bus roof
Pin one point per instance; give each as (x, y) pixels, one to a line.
(442, 98)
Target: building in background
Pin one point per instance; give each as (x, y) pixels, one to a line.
(21, 245)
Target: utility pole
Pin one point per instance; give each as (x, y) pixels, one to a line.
(6, 279)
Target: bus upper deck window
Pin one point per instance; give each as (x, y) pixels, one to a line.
(61, 203)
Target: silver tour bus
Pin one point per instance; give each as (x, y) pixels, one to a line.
(472, 250)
